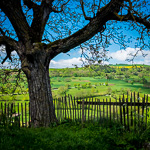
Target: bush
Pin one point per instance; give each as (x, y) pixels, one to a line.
(109, 90)
(89, 85)
(83, 94)
(75, 74)
(58, 80)
(84, 86)
(106, 83)
(67, 80)
(75, 85)
(62, 91)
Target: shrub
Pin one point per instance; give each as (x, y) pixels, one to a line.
(89, 85)
(58, 80)
(67, 80)
(75, 85)
(62, 90)
(84, 86)
(109, 90)
(75, 74)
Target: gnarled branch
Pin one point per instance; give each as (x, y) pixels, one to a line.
(93, 27)
(82, 6)
(13, 10)
(132, 17)
(29, 3)
(9, 44)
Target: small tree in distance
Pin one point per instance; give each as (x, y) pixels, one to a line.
(42, 29)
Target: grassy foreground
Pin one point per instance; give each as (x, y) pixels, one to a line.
(72, 136)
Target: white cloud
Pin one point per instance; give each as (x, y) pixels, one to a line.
(121, 56)
(63, 63)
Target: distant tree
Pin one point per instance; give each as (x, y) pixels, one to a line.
(75, 74)
(75, 85)
(62, 90)
(109, 90)
(39, 30)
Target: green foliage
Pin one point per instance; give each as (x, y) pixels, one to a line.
(109, 90)
(71, 135)
(62, 91)
(67, 80)
(106, 83)
(59, 80)
(75, 85)
(84, 86)
(89, 85)
(83, 94)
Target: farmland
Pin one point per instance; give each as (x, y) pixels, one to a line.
(91, 81)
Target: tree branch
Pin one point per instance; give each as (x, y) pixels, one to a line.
(146, 17)
(10, 45)
(40, 17)
(82, 6)
(13, 11)
(93, 27)
(2, 32)
(29, 3)
(132, 17)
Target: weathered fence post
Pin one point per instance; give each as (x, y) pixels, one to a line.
(82, 111)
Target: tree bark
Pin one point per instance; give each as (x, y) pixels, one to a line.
(41, 101)
(37, 71)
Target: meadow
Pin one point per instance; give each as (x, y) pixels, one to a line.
(92, 81)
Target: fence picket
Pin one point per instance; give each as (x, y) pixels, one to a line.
(83, 111)
(127, 114)
(103, 110)
(107, 108)
(89, 111)
(116, 111)
(113, 111)
(143, 102)
(97, 111)
(92, 109)
(138, 100)
(22, 114)
(120, 110)
(110, 109)
(74, 107)
(131, 110)
(146, 108)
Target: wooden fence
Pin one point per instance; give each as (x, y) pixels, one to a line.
(130, 110)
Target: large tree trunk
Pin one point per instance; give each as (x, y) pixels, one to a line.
(37, 71)
(41, 101)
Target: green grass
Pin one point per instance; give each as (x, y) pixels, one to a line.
(100, 91)
(72, 136)
(18, 98)
(115, 85)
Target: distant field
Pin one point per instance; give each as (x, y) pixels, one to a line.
(84, 82)
(117, 86)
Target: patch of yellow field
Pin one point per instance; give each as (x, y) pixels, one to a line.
(129, 67)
